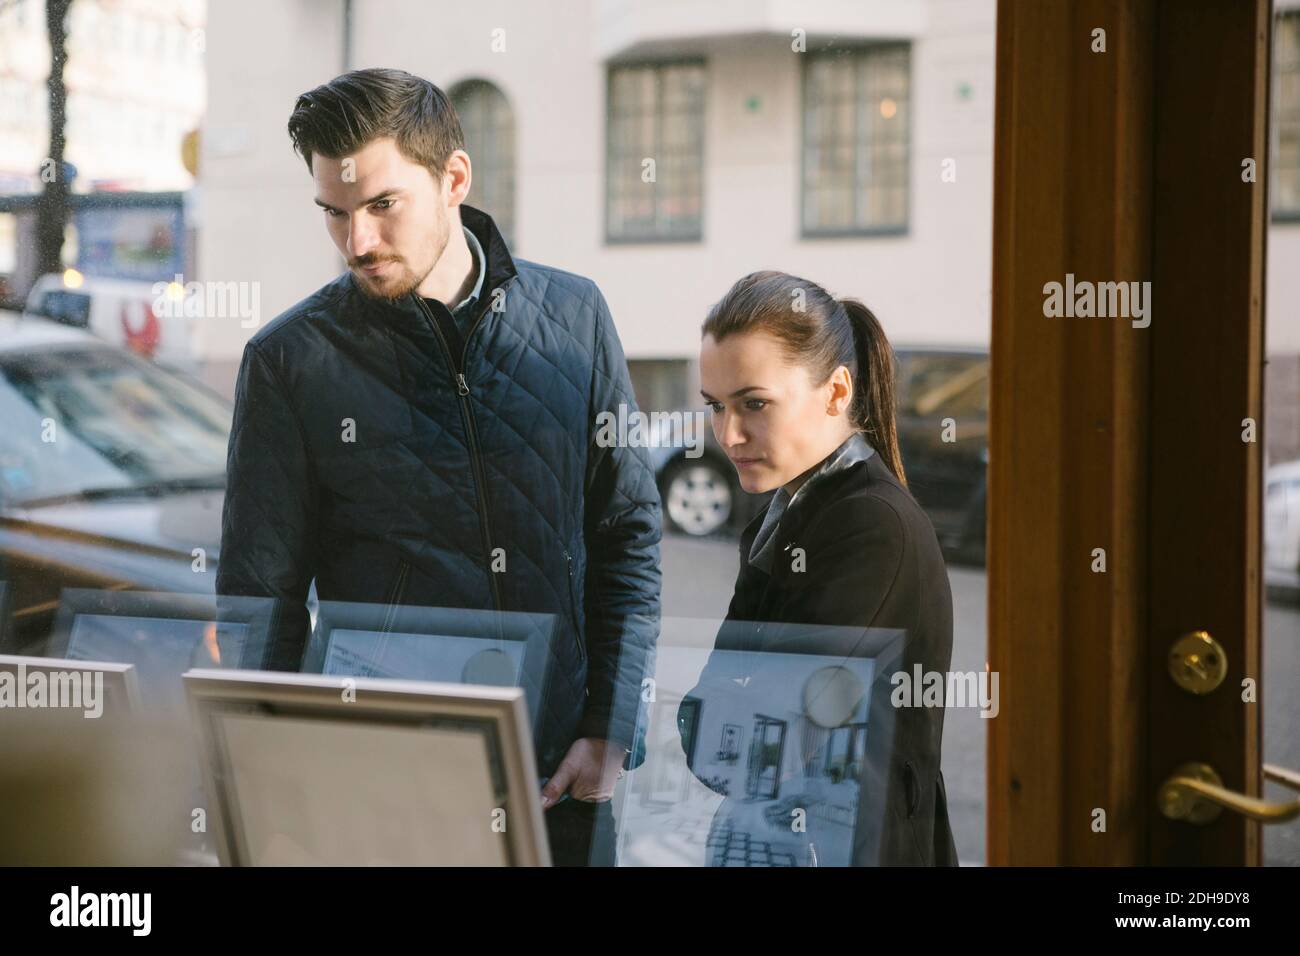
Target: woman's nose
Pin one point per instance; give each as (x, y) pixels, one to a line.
(731, 433)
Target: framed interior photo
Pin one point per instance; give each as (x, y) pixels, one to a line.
(799, 729)
(444, 645)
(163, 634)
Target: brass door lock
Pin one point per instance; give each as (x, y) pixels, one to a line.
(1197, 662)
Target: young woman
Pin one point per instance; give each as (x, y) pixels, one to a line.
(801, 387)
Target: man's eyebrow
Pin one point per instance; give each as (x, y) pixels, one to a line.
(383, 195)
(736, 394)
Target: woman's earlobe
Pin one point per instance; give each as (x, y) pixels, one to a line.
(841, 403)
(841, 391)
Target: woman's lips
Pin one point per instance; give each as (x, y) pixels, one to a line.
(745, 462)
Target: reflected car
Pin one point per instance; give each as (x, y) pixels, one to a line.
(943, 434)
(112, 474)
(128, 313)
(943, 396)
(1282, 531)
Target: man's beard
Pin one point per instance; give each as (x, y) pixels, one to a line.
(391, 288)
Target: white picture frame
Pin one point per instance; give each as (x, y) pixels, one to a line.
(315, 770)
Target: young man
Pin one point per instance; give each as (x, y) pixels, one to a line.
(421, 431)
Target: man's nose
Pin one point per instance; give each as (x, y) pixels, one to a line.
(362, 236)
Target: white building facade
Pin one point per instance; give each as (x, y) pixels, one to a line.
(728, 165)
(868, 169)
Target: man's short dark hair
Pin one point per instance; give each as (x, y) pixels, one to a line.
(343, 115)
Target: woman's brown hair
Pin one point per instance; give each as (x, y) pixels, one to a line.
(821, 333)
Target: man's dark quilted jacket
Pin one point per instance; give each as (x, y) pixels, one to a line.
(456, 453)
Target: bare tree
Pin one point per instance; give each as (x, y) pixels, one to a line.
(52, 208)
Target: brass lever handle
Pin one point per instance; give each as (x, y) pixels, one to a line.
(1288, 778)
(1195, 794)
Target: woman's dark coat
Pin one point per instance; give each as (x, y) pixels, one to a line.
(870, 560)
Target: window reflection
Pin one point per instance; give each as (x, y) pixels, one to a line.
(95, 420)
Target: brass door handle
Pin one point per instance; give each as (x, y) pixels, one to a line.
(1195, 794)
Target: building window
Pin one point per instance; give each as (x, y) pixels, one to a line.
(856, 120)
(654, 166)
(488, 123)
(661, 384)
(1286, 121)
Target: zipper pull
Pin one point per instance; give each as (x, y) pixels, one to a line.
(460, 381)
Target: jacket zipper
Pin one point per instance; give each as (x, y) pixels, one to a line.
(573, 606)
(467, 417)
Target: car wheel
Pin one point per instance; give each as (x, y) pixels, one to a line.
(698, 497)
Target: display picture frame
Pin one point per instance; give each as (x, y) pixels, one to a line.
(437, 644)
(810, 741)
(163, 633)
(252, 726)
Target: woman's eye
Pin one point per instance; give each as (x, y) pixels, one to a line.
(383, 204)
(332, 213)
(756, 404)
(714, 407)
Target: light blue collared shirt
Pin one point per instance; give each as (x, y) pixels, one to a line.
(464, 309)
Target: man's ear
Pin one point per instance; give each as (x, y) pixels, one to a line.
(457, 177)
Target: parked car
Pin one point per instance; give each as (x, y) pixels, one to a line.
(943, 419)
(1282, 530)
(121, 312)
(942, 434)
(112, 473)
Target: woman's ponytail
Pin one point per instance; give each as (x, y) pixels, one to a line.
(873, 402)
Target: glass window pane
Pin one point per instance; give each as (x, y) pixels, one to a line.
(655, 112)
(1286, 117)
(856, 126)
(487, 121)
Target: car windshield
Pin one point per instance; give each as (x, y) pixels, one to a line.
(956, 384)
(99, 421)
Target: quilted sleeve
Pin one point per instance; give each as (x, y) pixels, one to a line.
(268, 520)
(622, 529)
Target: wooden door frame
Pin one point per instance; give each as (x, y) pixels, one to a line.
(1124, 166)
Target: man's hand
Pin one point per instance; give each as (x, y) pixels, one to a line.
(589, 771)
